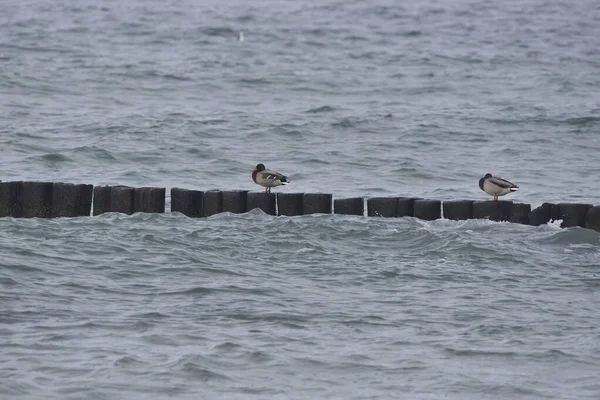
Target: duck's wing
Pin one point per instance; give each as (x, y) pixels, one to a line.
(503, 183)
(269, 175)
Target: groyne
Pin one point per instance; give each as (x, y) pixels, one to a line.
(56, 199)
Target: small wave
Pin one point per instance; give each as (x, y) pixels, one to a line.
(259, 357)
(245, 18)
(227, 346)
(176, 77)
(221, 270)
(552, 233)
(346, 123)
(158, 340)
(314, 43)
(196, 290)
(38, 49)
(582, 121)
(128, 361)
(215, 121)
(266, 391)
(56, 158)
(490, 330)
(23, 267)
(8, 282)
(203, 374)
(311, 362)
(150, 315)
(591, 282)
(480, 353)
(95, 152)
(322, 109)
(315, 161)
(355, 38)
(554, 353)
(363, 322)
(75, 30)
(254, 81)
(219, 31)
(273, 317)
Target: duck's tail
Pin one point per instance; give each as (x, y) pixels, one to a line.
(285, 180)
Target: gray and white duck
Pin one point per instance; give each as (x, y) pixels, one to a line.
(496, 186)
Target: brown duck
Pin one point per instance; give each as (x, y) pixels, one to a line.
(267, 178)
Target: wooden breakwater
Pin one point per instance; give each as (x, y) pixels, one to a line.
(57, 199)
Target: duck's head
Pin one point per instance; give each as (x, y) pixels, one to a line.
(259, 167)
(482, 180)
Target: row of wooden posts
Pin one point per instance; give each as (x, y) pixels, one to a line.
(51, 200)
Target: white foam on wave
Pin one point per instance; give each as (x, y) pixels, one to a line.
(555, 224)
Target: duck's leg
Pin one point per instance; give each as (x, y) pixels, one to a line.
(267, 189)
(495, 197)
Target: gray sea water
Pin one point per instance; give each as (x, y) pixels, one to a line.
(354, 98)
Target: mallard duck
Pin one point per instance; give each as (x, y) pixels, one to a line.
(496, 186)
(268, 178)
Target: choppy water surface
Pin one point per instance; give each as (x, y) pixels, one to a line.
(350, 98)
